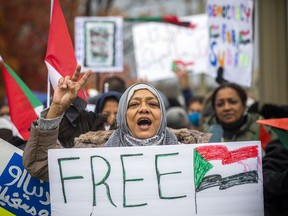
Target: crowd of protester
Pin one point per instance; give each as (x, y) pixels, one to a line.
(223, 115)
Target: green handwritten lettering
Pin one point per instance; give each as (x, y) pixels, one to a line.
(60, 160)
(102, 181)
(125, 205)
(162, 174)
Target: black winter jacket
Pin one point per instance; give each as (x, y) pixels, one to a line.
(275, 179)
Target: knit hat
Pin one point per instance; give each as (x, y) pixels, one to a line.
(177, 118)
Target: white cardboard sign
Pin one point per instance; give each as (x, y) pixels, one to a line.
(99, 43)
(207, 179)
(230, 24)
(157, 45)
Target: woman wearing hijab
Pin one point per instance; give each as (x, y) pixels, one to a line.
(107, 105)
(141, 121)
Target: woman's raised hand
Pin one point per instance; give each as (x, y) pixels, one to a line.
(66, 92)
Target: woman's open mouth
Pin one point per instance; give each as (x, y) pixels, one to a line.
(144, 123)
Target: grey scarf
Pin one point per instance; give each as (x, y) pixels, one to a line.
(122, 135)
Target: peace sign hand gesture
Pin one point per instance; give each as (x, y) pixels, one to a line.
(66, 92)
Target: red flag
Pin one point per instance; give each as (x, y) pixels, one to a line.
(279, 126)
(264, 136)
(281, 123)
(23, 104)
(60, 57)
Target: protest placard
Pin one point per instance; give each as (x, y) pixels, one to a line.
(202, 179)
(230, 24)
(158, 45)
(99, 43)
(20, 194)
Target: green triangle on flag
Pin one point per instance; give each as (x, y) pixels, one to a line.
(201, 167)
(23, 104)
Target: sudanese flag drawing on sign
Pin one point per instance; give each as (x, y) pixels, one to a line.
(206, 156)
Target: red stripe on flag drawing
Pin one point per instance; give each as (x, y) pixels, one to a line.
(227, 157)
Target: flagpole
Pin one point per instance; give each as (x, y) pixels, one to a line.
(48, 80)
(51, 9)
(48, 92)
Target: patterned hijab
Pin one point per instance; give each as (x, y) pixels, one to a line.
(123, 137)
